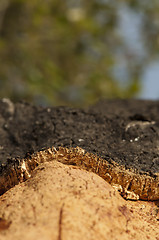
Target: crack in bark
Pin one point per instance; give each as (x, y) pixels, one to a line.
(60, 223)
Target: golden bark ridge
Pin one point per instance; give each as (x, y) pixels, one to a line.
(131, 184)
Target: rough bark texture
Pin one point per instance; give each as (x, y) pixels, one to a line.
(63, 202)
(124, 134)
(44, 155)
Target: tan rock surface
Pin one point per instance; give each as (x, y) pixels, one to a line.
(63, 203)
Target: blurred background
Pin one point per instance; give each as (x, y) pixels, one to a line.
(73, 52)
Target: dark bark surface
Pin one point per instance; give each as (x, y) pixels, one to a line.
(126, 131)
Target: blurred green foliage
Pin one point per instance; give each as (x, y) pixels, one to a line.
(64, 52)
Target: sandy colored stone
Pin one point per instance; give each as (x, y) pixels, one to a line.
(63, 203)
